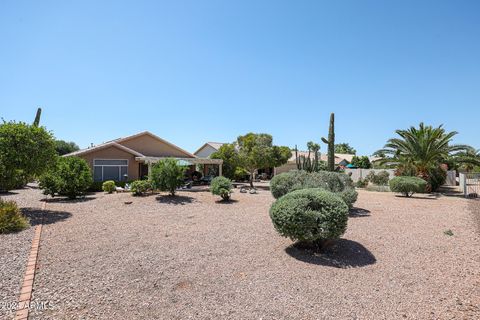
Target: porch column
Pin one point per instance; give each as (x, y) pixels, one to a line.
(149, 163)
(220, 169)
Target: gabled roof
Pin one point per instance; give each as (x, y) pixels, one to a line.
(103, 146)
(214, 145)
(119, 140)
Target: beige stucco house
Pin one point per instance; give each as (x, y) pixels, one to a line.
(130, 158)
(340, 160)
(207, 149)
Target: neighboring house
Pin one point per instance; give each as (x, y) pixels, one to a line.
(131, 158)
(207, 149)
(341, 160)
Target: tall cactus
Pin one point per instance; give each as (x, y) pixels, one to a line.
(331, 144)
(36, 122)
(306, 163)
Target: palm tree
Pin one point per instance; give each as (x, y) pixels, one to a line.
(419, 151)
(468, 159)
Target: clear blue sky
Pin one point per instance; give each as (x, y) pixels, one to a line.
(196, 71)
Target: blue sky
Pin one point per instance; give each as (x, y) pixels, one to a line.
(196, 71)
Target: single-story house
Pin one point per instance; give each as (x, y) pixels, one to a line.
(131, 158)
(207, 149)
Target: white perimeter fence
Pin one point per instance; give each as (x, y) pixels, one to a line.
(470, 184)
(362, 173)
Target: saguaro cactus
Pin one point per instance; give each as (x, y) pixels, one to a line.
(306, 163)
(331, 144)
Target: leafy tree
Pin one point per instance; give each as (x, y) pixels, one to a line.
(230, 159)
(168, 175)
(70, 176)
(256, 151)
(420, 151)
(344, 148)
(362, 162)
(64, 147)
(25, 151)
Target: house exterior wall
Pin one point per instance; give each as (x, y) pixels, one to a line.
(206, 151)
(285, 168)
(151, 147)
(113, 153)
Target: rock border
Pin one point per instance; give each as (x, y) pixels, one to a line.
(25, 297)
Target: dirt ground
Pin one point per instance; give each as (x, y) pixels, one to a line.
(192, 257)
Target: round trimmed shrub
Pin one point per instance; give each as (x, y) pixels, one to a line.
(109, 186)
(310, 215)
(140, 187)
(222, 187)
(286, 182)
(11, 219)
(408, 185)
(349, 196)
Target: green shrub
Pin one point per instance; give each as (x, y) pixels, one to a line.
(109, 186)
(222, 187)
(349, 195)
(361, 183)
(408, 185)
(69, 177)
(379, 179)
(140, 187)
(168, 175)
(96, 186)
(334, 182)
(310, 215)
(11, 219)
(437, 177)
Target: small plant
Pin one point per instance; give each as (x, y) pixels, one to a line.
(310, 215)
(69, 177)
(222, 187)
(109, 186)
(408, 185)
(448, 232)
(379, 179)
(361, 183)
(168, 175)
(140, 187)
(11, 219)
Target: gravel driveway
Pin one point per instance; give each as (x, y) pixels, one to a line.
(193, 258)
(14, 249)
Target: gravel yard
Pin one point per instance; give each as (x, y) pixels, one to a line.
(14, 249)
(192, 258)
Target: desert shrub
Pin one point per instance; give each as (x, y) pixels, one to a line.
(11, 219)
(310, 215)
(222, 187)
(140, 187)
(408, 185)
(168, 175)
(295, 180)
(349, 195)
(379, 179)
(95, 186)
(361, 183)
(109, 186)
(436, 178)
(70, 177)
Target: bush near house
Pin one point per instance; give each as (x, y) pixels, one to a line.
(361, 183)
(11, 219)
(408, 185)
(335, 182)
(109, 186)
(167, 175)
(69, 177)
(310, 215)
(222, 187)
(140, 187)
(379, 179)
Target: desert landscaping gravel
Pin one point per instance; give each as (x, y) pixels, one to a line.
(192, 257)
(14, 250)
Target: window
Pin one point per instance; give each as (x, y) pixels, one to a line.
(116, 170)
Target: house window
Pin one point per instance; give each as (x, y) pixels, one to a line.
(104, 170)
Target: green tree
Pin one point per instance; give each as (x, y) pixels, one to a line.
(26, 151)
(168, 175)
(230, 159)
(466, 160)
(70, 176)
(344, 148)
(256, 151)
(63, 147)
(362, 162)
(420, 151)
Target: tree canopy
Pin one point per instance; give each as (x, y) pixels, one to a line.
(344, 148)
(63, 147)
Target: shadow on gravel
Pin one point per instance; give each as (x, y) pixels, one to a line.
(49, 216)
(342, 253)
(231, 201)
(180, 200)
(359, 213)
(67, 200)
(7, 193)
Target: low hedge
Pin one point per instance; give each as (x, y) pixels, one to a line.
(310, 215)
(335, 182)
(408, 185)
(11, 219)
